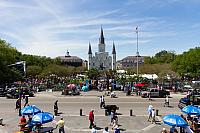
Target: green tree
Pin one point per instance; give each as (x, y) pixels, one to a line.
(188, 63)
(33, 70)
(8, 55)
(93, 73)
(161, 57)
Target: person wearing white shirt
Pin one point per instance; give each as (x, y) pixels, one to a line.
(187, 129)
(105, 130)
(94, 130)
(153, 116)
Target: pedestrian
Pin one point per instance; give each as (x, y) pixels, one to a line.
(26, 101)
(173, 130)
(153, 115)
(111, 116)
(94, 130)
(166, 101)
(30, 123)
(17, 104)
(102, 101)
(22, 120)
(91, 118)
(56, 108)
(149, 96)
(61, 125)
(164, 131)
(115, 121)
(187, 129)
(117, 130)
(105, 130)
(149, 112)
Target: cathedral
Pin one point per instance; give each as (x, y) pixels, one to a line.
(101, 60)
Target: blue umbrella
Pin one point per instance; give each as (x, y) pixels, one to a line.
(174, 120)
(30, 110)
(43, 117)
(191, 110)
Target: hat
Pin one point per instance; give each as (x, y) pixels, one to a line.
(150, 106)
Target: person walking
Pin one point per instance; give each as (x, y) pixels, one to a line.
(149, 96)
(166, 101)
(105, 130)
(149, 112)
(26, 101)
(17, 104)
(102, 101)
(91, 118)
(56, 108)
(111, 116)
(116, 130)
(115, 121)
(153, 115)
(61, 125)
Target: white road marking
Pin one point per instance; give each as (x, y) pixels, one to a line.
(148, 127)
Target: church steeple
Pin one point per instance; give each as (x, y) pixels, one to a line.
(113, 50)
(90, 50)
(101, 39)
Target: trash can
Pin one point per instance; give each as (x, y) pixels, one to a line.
(157, 112)
(106, 112)
(1, 121)
(131, 112)
(81, 112)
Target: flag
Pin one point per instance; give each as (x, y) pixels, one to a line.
(136, 29)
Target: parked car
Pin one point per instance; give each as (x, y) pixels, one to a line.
(68, 91)
(193, 98)
(14, 92)
(155, 92)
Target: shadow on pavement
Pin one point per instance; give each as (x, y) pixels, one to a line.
(99, 128)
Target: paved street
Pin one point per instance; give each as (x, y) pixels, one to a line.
(70, 106)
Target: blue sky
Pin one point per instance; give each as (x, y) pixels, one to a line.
(51, 27)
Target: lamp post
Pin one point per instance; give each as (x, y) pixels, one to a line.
(137, 53)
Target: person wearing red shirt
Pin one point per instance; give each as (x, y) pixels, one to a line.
(91, 118)
(23, 120)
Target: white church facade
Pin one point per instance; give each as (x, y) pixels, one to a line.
(101, 60)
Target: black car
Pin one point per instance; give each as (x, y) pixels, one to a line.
(12, 93)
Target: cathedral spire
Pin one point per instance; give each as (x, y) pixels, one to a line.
(113, 50)
(90, 50)
(101, 39)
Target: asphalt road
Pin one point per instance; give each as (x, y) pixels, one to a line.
(69, 107)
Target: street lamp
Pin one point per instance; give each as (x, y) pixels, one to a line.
(137, 53)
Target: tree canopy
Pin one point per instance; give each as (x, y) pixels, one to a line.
(188, 63)
(161, 57)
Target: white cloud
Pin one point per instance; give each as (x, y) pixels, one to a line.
(49, 28)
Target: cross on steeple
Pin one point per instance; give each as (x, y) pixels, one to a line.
(101, 39)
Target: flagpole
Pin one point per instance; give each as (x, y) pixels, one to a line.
(137, 54)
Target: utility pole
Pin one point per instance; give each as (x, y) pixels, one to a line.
(137, 53)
